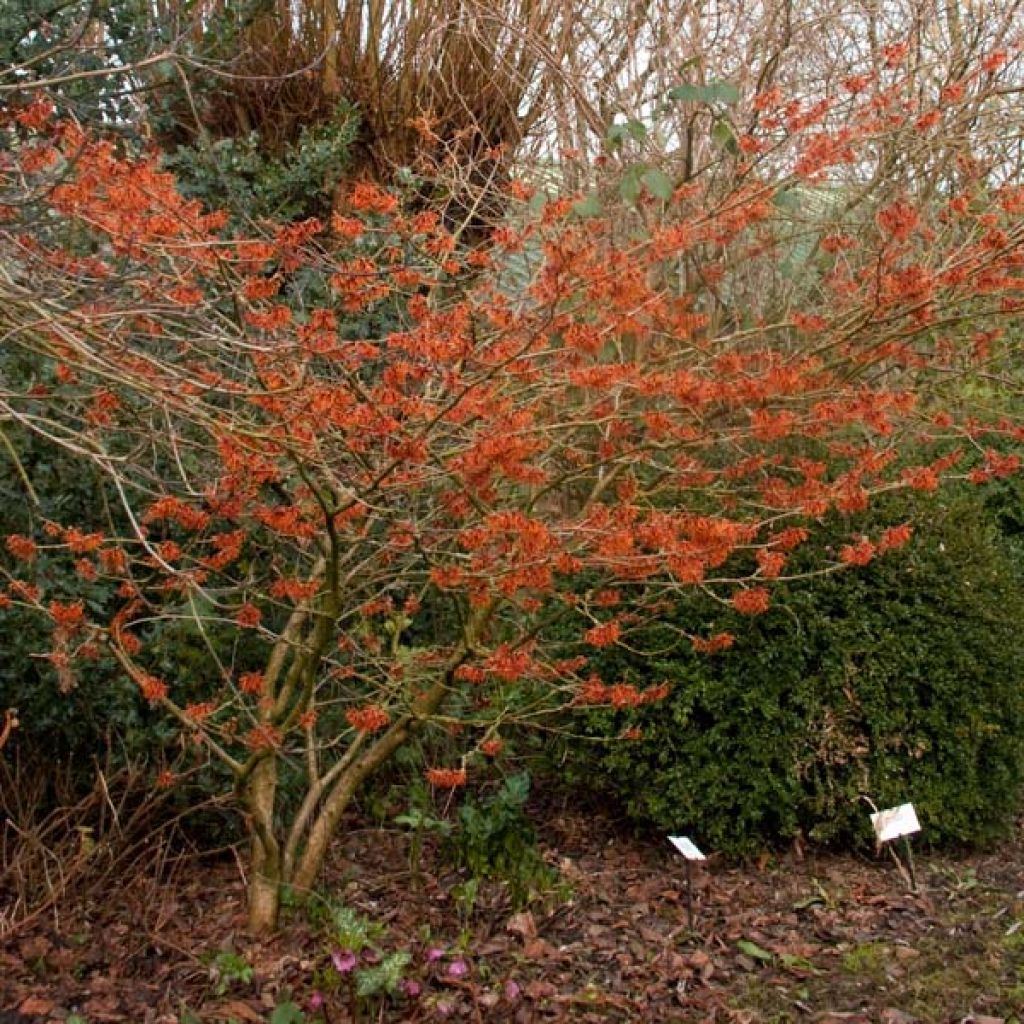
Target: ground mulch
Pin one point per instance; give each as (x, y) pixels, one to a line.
(800, 936)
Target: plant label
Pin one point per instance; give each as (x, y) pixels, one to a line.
(895, 822)
(686, 847)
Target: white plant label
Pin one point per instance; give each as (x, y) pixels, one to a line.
(895, 822)
(686, 847)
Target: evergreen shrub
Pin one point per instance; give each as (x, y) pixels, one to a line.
(900, 680)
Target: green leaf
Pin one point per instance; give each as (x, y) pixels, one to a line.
(687, 93)
(588, 206)
(798, 964)
(713, 92)
(537, 201)
(637, 130)
(658, 183)
(786, 199)
(619, 133)
(752, 949)
(629, 187)
(726, 92)
(287, 1013)
(724, 135)
(517, 788)
(616, 136)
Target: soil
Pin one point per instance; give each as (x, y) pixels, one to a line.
(800, 937)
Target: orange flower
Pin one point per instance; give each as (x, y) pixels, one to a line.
(261, 287)
(369, 198)
(23, 548)
(858, 554)
(751, 602)
(898, 220)
(129, 641)
(791, 537)
(248, 616)
(82, 543)
(86, 569)
(347, 229)
(251, 682)
(113, 560)
(69, 617)
(153, 689)
(26, 591)
(603, 635)
(371, 718)
(895, 537)
(771, 562)
(623, 695)
(294, 590)
(446, 778)
(263, 737)
(713, 644)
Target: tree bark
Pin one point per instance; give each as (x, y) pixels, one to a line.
(264, 891)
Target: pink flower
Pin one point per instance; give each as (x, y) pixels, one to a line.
(316, 1002)
(511, 991)
(411, 987)
(458, 968)
(434, 954)
(344, 960)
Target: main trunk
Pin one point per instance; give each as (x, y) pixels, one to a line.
(264, 901)
(266, 877)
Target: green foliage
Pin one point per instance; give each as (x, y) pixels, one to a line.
(714, 92)
(240, 176)
(287, 1013)
(72, 41)
(897, 681)
(229, 969)
(39, 482)
(382, 978)
(94, 713)
(495, 840)
(351, 930)
(359, 962)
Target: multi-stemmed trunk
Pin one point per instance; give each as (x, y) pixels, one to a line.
(293, 856)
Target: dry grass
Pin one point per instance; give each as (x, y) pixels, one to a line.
(56, 839)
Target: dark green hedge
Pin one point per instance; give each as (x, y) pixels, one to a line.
(898, 681)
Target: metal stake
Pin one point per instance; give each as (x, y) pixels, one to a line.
(689, 895)
(910, 863)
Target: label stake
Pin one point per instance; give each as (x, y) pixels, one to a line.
(690, 853)
(898, 823)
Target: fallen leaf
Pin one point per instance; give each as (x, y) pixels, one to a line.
(237, 1009)
(523, 925)
(891, 1015)
(38, 1006)
(539, 989)
(752, 949)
